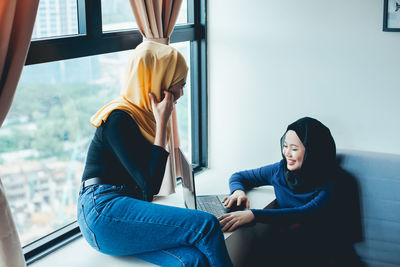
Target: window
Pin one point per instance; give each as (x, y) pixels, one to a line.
(118, 15)
(74, 66)
(56, 18)
(47, 138)
(183, 107)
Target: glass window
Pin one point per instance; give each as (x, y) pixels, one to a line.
(183, 108)
(56, 18)
(182, 17)
(118, 15)
(45, 137)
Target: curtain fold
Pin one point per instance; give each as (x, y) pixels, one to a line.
(10, 246)
(17, 19)
(156, 20)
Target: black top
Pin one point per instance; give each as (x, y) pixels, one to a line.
(120, 154)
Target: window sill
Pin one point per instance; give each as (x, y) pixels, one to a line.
(79, 254)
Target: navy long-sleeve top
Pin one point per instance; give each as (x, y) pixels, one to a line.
(120, 155)
(292, 207)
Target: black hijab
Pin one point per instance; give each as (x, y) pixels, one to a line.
(319, 163)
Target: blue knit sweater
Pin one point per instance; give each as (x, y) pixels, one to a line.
(292, 207)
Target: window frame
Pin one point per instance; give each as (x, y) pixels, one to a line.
(90, 41)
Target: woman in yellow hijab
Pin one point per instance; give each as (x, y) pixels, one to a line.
(127, 164)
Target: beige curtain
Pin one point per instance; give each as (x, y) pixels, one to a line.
(176, 161)
(156, 18)
(17, 18)
(10, 247)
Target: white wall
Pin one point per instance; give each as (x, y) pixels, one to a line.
(271, 62)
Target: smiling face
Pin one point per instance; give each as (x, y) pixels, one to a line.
(177, 89)
(293, 150)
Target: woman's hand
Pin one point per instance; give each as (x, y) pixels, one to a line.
(162, 113)
(237, 197)
(230, 221)
(162, 110)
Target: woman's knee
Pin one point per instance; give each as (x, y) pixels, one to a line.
(211, 222)
(195, 259)
(187, 256)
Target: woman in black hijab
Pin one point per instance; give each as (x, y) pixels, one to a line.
(304, 181)
(319, 165)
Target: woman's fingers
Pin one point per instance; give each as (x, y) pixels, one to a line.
(228, 203)
(223, 216)
(248, 204)
(169, 101)
(227, 223)
(231, 201)
(153, 99)
(162, 110)
(223, 219)
(233, 227)
(168, 96)
(243, 201)
(239, 201)
(231, 221)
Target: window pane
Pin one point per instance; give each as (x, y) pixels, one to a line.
(44, 140)
(182, 17)
(118, 15)
(183, 108)
(56, 18)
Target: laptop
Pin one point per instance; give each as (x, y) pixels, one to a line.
(208, 203)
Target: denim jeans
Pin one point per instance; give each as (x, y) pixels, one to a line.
(115, 223)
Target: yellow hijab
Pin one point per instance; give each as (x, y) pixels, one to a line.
(152, 68)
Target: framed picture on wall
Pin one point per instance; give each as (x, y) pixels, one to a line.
(391, 16)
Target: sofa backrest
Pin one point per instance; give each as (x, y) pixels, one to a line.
(378, 178)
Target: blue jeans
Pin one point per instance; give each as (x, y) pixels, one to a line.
(115, 223)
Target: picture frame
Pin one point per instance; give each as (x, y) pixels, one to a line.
(391, 16)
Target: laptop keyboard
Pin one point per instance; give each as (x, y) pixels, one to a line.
(211, 205)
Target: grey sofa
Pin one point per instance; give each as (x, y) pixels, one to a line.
(377, 177)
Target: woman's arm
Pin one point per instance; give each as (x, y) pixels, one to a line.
(245, 180)
(242, 181)
(230, 221)
(313, 208)
(162, 113)
(144, 162)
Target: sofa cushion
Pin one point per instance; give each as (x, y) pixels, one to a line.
(378, 178)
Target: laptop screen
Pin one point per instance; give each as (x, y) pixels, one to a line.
(188, 188)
